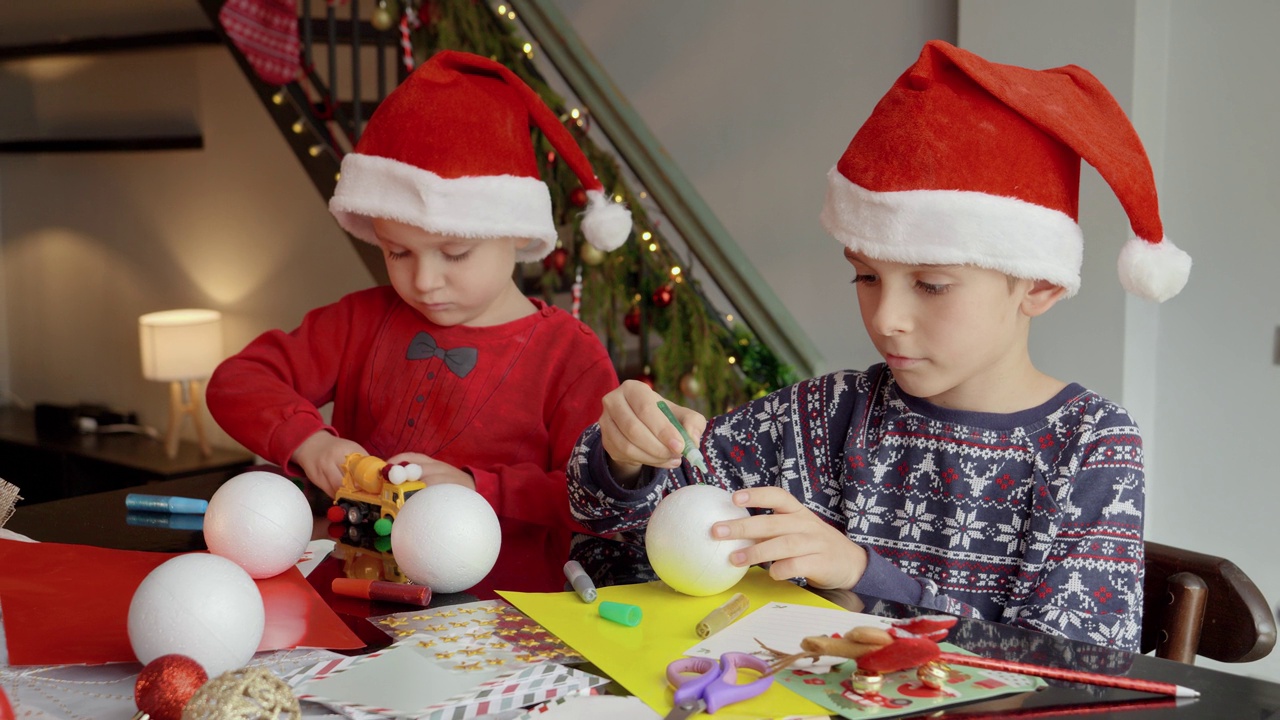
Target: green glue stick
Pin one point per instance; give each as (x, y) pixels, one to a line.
(690, 450)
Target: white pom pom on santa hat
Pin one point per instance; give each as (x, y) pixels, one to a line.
(1155, 271)
(605, 224)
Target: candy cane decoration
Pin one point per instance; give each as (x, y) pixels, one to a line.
(577, 294)
(408, 21)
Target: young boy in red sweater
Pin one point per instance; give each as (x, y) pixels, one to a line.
(450, 367)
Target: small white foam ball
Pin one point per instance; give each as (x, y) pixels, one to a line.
(679, 543)
(446, 537)
(203, 606)
(261, 521)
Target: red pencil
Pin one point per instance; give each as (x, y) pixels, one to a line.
(1079, 676)
(382, 590)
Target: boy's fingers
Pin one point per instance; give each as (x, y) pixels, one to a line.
(772, 498)
(692, 420)
(628, 440)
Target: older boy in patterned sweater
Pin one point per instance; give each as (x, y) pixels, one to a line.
(955, 475)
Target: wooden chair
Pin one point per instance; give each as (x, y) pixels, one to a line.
(1197, 604)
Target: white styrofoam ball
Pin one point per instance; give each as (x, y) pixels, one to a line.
(260, 520)
(203, 606)
(446, 537)
(679, 543)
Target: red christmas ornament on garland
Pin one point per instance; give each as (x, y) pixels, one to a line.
(166, 684)
(646, 378)
(631, 321)
(557, 260)
(663, 296)
(578, 197)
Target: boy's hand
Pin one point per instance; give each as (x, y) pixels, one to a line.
(796, 541)
(634, 432)
(321, 457)
(435, 472)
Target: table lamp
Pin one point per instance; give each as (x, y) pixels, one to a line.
(181, 347)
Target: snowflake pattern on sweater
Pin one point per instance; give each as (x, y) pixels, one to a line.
(1031, 518)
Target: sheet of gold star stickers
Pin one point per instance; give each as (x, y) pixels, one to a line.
(491, 628)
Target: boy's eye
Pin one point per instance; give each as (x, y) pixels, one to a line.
(458, 257)
(864, 278)
(397, 254)
(931, 288)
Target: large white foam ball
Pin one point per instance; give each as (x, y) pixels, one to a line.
(259, 520)
(446, 537)
(679, 543)
(202, 606)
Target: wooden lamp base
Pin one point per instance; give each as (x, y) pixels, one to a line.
(185, 398)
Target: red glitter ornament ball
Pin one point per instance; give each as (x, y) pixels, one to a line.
(166, 684)
(578, 197)
(647, 379)
(631, 321)
(557, 260)
(663, 296)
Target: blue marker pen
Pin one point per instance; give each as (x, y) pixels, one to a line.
(165, 521)
(165, 504)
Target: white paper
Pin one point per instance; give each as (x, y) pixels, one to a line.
(781, 626)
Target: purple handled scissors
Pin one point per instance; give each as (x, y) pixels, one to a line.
(704, 685)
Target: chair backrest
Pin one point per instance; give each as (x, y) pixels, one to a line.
(1197, 604)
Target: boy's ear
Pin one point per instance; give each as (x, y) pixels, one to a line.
(1041, 296)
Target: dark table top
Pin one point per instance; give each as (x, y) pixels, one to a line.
(532, 559)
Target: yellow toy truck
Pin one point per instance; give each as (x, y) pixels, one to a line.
(373, 489)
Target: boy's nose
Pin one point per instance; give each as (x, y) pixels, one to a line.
(891, 317)
(427, 277)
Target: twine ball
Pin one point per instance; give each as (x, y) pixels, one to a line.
(679, 544)
(166, 684)
(260, 520)
(446, 537)
(199, 605)
(249, 693)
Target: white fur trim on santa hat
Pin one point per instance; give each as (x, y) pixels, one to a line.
(605, 224)
(497, 206)
(1155, 271)
(954, 227)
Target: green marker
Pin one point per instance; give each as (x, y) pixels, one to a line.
(690, 450)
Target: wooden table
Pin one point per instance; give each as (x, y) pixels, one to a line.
(533, 559)
(52, 467)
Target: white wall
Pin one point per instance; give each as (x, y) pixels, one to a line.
(93, 240)
(1219, 390)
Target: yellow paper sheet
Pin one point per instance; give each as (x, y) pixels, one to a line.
(637, 657)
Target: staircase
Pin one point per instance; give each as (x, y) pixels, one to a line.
(352, 57)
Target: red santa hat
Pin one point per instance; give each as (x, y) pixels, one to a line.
(450, 151)
(966, 161)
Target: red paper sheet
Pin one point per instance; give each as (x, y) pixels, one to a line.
(69, 604)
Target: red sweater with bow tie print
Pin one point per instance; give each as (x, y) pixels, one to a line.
(506, 403)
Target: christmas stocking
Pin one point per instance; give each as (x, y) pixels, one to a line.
(266, 31)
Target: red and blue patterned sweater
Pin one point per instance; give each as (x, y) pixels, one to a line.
(1031, 518)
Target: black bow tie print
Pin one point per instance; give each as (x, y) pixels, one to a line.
(460, 361)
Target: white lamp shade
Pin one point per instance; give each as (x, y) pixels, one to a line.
(180, 344)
